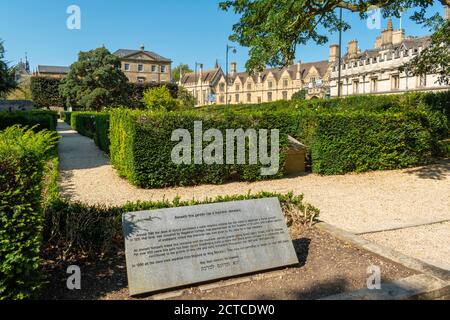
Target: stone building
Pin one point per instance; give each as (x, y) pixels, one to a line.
(139, 66)
(142, 66)
(210, 87)
(376, 71)
(22, 71)
(52, 71)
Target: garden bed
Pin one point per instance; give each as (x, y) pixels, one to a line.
(328, 266)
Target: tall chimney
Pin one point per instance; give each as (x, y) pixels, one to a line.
(142, 47)
(334, 53)
(233, 68)
(299, 70)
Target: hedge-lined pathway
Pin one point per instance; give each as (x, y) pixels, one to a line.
(362, 203)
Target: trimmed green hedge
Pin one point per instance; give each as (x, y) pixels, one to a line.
(45, 92)
(23, 154)
(66, 116)
(43, 120)
(79, 229)
(93, 125)
(141, 146)
(358, 142)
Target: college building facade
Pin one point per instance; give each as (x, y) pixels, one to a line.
(212, 87)
(376, 71)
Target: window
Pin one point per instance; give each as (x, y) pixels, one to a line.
(140, 67)
(249, 86)
(422, 81)
(237, 98)
(269, 96)
(285, 83)
(140, 79)
(285, 95)
(238, 87)
(222, 99)
(163, 69)
(374, 85)
(259, 100)
(249, 97)
(355, 86)
(395, 82)
(222, 87)
(270, 84)
(153, 68)
(127, 67)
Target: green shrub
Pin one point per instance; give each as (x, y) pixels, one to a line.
(94, 125)
(159, 98)
(66, 116)
(45, 92)
(141, 146)
(23, 154)
(76, 228)
(40, 120)
(358, 142)
(136, 93)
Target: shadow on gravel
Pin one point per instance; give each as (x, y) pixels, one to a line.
(438, 171)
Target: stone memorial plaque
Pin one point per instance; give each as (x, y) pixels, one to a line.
(175, 247)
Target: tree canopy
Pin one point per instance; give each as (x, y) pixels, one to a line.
(95, 81)
(7, 81)
(272, 29)
(181, 69)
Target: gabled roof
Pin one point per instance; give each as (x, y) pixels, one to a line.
(53, 69)
(207, 76)
(126, 53)
(321, 67)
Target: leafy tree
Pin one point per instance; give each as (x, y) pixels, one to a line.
(160, 98)
(273, 28)
(185, 98)
(7, 81)
(95, 81)
(181, 69)
(436, 58)
(300, 95)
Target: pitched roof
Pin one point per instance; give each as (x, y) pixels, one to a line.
(207, 76)
(53, 69)
(321, 67)
(126, 53)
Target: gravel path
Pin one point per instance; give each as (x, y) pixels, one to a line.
(359, 203)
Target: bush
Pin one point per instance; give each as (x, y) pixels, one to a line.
(45, 92)
(39, 120)
(159, 98)
(22, 157)
(136, 92)
(358, 142)
(93, 125)
(141, 146)
(66, 116)
(75, 228)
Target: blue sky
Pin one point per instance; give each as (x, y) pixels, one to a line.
(183, 30)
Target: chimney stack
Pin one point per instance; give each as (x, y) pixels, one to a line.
(233, 68)
(142, 47)
(334, 53)
(446, 12)
(299, 70)
(352, 49)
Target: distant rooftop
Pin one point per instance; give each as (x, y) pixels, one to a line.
(125, 53)
(53, 69)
